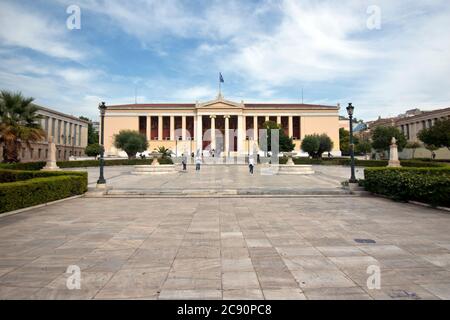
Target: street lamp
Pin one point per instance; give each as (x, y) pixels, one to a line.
(101, 183)
(350, 110)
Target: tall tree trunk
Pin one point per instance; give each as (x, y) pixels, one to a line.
(11, 152)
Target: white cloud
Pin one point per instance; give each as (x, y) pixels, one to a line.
(19, 28)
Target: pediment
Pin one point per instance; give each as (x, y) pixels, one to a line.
(220, 103)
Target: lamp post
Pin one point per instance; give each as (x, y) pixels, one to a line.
(101, 183)
(350, 110)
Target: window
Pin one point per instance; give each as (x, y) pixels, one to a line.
(39, 153)
(59, 131)
(143, 125)
(166, 128)
(46, 153)
(296, 128)
(190, 127)
(154, 128)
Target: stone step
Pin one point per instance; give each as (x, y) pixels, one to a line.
(225, 192)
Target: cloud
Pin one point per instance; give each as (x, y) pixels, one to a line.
(35, 31)
(267, 51)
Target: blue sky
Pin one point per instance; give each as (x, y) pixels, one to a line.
(173, 50)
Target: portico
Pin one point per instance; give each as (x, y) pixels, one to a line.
(226, 127)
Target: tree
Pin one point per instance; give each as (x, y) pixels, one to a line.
(93, 150)
(19, 124)
(413, 145)
(344, 141)
(315, 145)
(363, 147)
(285, 143)
(131, 142)
(325, 145)
(438, 135)
(431, 148)
(92, 133)
(310, 145)
(382, 138)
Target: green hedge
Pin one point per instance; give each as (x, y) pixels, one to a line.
(82, 164)
(362, 163)
(428, 185)
(23, 189)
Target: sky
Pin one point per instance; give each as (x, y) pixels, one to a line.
(383, 56)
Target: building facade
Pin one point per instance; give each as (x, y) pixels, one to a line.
(410, 124)
(222, 127)
(69, 133)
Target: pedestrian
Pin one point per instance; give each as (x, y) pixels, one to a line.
(251, 164)
(184, 161)
(433, 154)
(198, 162)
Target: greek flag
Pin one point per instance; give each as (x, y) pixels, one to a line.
(221, 78)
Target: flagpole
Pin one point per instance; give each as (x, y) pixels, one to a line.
(220, 86)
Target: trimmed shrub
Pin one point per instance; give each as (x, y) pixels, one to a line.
(428, 185)
(28, 188)
(23, 166)
(82, 164)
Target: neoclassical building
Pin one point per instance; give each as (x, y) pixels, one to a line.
(69, 133)
(223, 126)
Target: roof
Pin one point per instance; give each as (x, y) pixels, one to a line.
(247, 105)
(61, 114)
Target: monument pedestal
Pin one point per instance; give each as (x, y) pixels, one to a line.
(51, 160)
(293, 169)
(154, 169)
(393, 155)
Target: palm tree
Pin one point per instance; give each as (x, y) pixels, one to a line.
(166, 153)
(19, 124)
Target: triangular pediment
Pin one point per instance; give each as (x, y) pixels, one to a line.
(219, 103)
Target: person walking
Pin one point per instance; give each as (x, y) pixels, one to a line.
(251, 164)
(198, 162)
(184, 161)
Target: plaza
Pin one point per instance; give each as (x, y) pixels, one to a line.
(239, 247)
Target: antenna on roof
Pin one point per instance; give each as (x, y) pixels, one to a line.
(302, 95)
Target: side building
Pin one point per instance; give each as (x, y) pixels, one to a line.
(411, 123)
(223, 127)
(69, 133)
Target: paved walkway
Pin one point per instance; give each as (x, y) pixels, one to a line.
(226, 249)
(326, 179)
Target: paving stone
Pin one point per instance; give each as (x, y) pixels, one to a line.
(243, 294)
(190, 294)
(284, 294)
(225, 248)
(343, 293)
(441, 290)
(322, 279)
(239, 280)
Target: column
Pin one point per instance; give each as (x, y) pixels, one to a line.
(255, 128)
(267, 118)
(291, 127)
(172, 128)
(227, 134)
(240, 142)
(160, 128)
(213, 132)
(199, 134)
(183, 128)
(278, 119)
